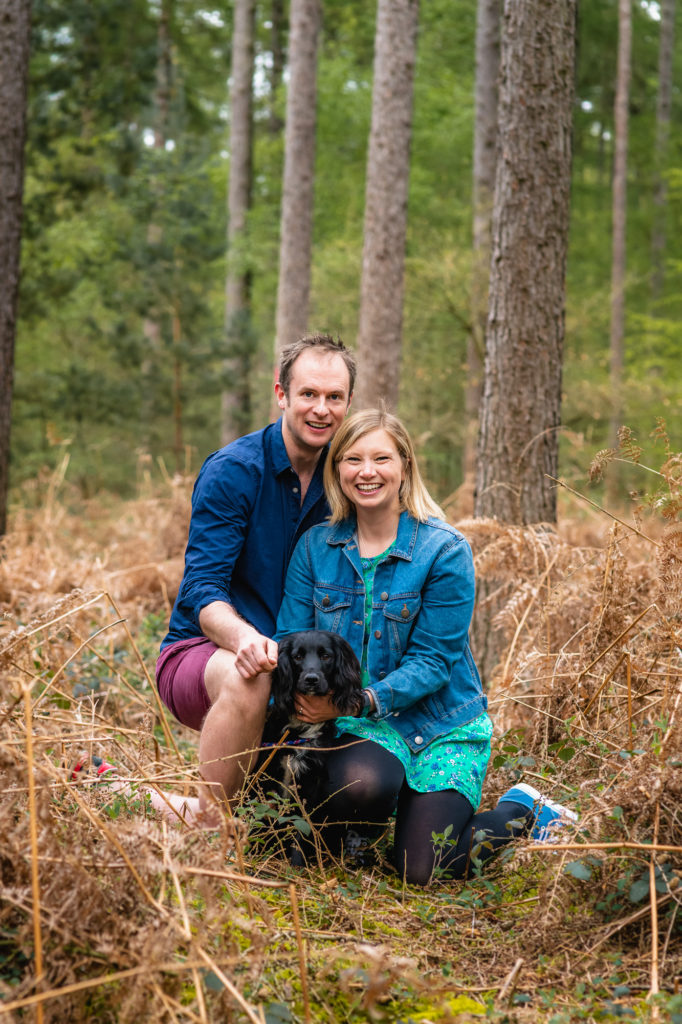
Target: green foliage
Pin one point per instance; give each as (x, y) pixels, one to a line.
(121, 337)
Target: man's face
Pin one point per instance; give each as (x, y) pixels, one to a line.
(317, 402)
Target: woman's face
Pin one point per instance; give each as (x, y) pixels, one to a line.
(371, 472)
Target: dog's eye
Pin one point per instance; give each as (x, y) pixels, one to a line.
(298, 656)
(325, 656)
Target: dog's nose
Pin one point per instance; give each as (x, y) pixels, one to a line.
(313, 682)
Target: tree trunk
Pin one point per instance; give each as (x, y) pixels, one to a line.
(485, 137)
(296, 232)
(520, 412)
(663, 110)
(388, 165)
(275, 122)
(235, 400)
(618, 261)
(15, 31)
(151, 324)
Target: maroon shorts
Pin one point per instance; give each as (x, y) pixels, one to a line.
(180, 679)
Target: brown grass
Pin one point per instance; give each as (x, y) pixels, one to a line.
(108, 914)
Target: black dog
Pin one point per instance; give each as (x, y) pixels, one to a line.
(312, 662)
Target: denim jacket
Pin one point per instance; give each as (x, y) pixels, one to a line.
(422, 674)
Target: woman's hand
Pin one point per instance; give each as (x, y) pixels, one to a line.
(315, 709)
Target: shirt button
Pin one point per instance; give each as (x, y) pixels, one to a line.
(295, 490)
(418, 740)
(384, 596)
(377, 633)
(325, 601)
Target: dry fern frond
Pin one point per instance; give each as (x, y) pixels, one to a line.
(599, 463)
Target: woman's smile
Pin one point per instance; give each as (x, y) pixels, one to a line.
(371, 472)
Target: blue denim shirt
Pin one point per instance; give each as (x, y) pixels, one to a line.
(421, 670)
(246, 520)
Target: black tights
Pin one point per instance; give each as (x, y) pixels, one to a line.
(367, 783)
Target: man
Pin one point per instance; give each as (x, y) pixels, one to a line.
(252, 501)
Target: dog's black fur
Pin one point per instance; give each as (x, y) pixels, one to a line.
(310, 662)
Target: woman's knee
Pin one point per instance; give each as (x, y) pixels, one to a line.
(363, 789)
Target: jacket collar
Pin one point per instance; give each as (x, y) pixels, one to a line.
(344, 533)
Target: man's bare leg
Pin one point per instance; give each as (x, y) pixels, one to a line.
(233, 726)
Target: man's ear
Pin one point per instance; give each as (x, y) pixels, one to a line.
(281, 397)
(350, 399)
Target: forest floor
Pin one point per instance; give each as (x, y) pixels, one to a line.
(111, 915)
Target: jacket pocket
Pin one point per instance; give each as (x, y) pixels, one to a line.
(331, 606)
(399, 615)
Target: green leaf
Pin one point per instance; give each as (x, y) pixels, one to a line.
(579, 869)
(212, 981)
(639, 889)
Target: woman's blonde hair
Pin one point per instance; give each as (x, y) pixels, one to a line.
(414, 497)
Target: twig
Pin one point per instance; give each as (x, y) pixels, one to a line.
(530, 604)
(653, 989)
(234, 992)
(170, 739)
(599, 508)
(509, 984)
(629, 681)
(614, 642)
(232, 876)
(587, 845)
(33, 825)
(301, 953)
(172, 967)
(65, 664)
(607, 679)
(625, 921)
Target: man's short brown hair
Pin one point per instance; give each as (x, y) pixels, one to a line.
(320, 343)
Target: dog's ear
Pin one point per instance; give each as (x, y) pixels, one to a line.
(283, 678)
(347, 679)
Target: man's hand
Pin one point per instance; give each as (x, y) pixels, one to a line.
(313, 709)
(255, 654)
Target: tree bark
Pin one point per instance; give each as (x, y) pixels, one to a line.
(618, 261)
(388, 165)
(275, 122)
(15, 31)
(520, 414)
(296, 232)
(485, 138)
(151, 324)
(235, 399)
(663, 111)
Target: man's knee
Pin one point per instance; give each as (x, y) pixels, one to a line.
(229, 691)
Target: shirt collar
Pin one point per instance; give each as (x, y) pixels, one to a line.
(278, 451)
(280, 457)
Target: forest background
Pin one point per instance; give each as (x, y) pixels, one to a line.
(124, 226)
(109, 915)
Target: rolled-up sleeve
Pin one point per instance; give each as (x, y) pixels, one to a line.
(222, 505)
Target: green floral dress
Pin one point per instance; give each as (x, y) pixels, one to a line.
(457, 760)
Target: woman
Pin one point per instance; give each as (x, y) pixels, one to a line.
(397, 582)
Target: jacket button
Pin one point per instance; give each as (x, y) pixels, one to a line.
(325, 601)
(384, 596)
(418, 739)
(404, 611)
(381, 675)
(377, 633)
